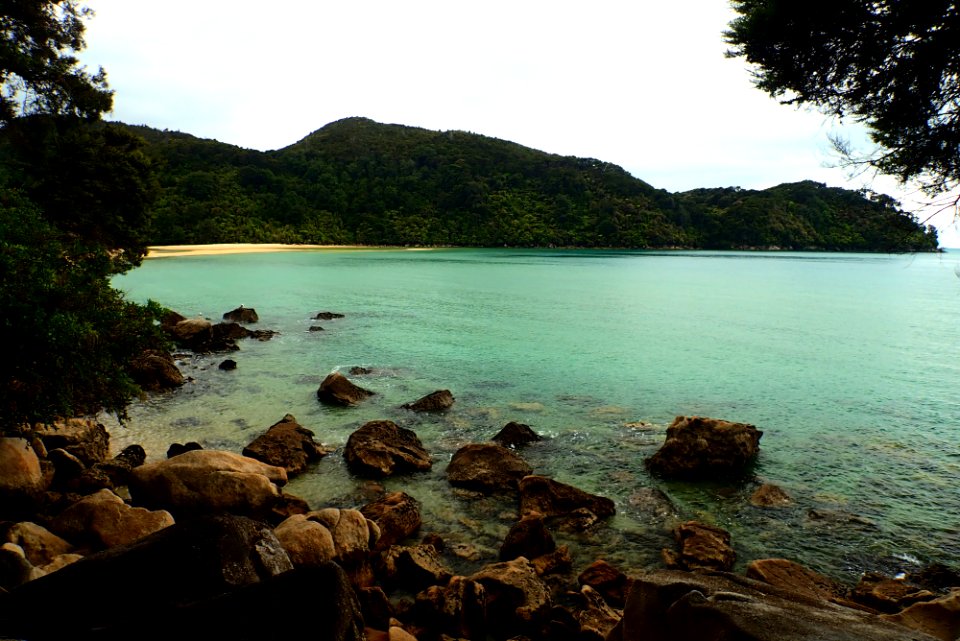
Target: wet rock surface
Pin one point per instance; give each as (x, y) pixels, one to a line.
(336, 389)
(286, 444)
(382, 448)
(487, 468)
(698, 447)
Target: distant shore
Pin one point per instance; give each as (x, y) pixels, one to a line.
(167, 251)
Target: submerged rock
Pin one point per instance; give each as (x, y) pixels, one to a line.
(382, 448)
(769, 495)
(327, 316)
(697, 447)
(336, 389)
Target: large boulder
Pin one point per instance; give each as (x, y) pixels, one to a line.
(438, 401)
(887, 594)
(792, 576)
(528, 537)
(241, 315)
(700, 547)
(40, 545)
(331, 534)
(413, 568)
(487, 467)
(939, 618)
(103, 520)
(669, 605)
(517, 599)
(697, 447)
(457, 609)
(397, 515)
(85, 438)
(575, 508)
(382, 448)
(336, 389)
(156, 371)
(22, 480)
(208, 481)
(286, 444)
(608, 581)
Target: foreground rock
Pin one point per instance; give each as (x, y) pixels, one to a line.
(382, 448)
(608, 581)
(700, 547)
(343, 536)
(242, 315)
(697, 447)
(517, 599)
(575, 508)
(214, 578)
(939, 618)
(486, 467)
(39, 545)
(792, 576)
(103, 520)
(438, 401)
(397, 515)
(286, 444)
(208, 481)
(680, 606)
(528, 537)
(457, 609)
(84, 438)
(22, 480)
(336, 389)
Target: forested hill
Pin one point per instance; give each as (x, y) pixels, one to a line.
(358, 181)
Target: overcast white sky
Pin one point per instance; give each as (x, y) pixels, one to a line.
(638, 83)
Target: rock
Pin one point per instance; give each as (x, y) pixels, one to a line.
(487, 468)
(438, 401)
(286, 506)
(680, 606)
(184, 563)
(612, 584)
(413, 568)
(83, 437)
(336, 389)
(176, 449)
(242, 315)
(228, 365)
(170, 319)
(517, 599)
(575, 508)
(768, 495)
(58, 562)
(155, 371)
(360, 371)
(316, 328)
(22, 481)
(375, 606)
(595, 616)
(939, 618)
(397, 515)
(105, 521)
(15, 568)
(556, 562)
(888, 595)
(190, 331)
(381, 448)
(39, 545)
(697, 447)
(286, 444)
(653, 503)
(327, 316)
(515, 435)
(67, 467)
(457, 609)
(208, 481)
(132, 456)
(113, 473)
(528, 537)
(307, 542)
(936, 577)
(792, 576)
(700, 547)
(353, 534)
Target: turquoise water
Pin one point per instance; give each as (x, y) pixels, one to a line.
(849, 363)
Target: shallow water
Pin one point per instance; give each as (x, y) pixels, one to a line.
(847, 362)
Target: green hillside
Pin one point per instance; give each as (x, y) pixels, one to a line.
(358, 181)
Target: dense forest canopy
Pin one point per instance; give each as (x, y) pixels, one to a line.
(358, 181)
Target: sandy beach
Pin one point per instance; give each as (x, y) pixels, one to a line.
(165, 251)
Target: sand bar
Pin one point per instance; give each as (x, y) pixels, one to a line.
(164, 251)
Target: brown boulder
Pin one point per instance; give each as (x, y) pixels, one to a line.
(517, 598)
(700, 547)
(307, 542)
(682, 606)
(286, 444)
(577, 509)
(208, 481)
(608, 581)
(457, 609)
(86, 439)
(697, 447)
(155, 371)
(327, 316)
(336, 389)
(397, 515)
(487, 468)
(528, 537)
(413, 568)
(438, 401)
(595, 616)
(515, 435)
(242, 315)
(22, 480)
(796, 578)
(105, 521)
(888, 595)
(190, 331)
(39, 544)
(381, 448)
(939, 618)
(557, 562)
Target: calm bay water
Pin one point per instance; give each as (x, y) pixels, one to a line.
(849, 363)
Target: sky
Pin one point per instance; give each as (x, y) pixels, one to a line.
(638, 83)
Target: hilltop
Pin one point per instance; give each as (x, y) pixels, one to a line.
(358, 181)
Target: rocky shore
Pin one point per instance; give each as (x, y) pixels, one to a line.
(208, 544)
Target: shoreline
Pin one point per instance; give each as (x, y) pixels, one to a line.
(215, 249)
